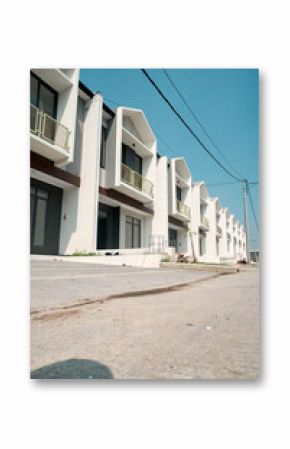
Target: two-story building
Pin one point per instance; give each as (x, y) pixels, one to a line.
(98, 183)
(126, 201)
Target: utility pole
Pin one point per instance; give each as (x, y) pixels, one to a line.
(245, 192)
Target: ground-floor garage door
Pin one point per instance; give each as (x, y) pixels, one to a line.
(45, 215)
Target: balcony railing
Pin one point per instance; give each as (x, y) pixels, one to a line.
(48, 128)
(135, 180)
(218, 229)
(183, 208)
(204, 222)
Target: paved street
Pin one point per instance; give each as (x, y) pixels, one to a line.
(207, 330)
(58, 283)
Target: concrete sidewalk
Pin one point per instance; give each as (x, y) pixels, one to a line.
(57, 283)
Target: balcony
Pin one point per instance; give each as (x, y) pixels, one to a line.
(137, 181)
(183, 209)
(49, 137)
(218, 230)
(204, 223)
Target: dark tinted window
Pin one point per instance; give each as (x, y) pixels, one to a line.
(103, 147)
(133, 233)
(42, 96)
(33, 90)
(131, 159)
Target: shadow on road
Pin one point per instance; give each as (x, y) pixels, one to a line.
(73, 369)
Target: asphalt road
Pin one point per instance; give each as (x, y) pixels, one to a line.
(206, 331)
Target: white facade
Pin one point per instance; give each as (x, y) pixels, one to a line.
(98, 184)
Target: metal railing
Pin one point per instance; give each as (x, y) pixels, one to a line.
(183, 208)
(204, 221)
(48, 128)
(135, 180)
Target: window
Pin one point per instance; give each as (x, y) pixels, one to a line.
(42, 96)
(131, 159)
(38, 212)
(172, 234)
(202, 247)
(178, 193)
(217, 246)
(103, 147)
(133, 233)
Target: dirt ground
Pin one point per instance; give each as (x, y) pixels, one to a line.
(205, 331)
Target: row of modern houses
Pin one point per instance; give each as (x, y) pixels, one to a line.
(99, 184)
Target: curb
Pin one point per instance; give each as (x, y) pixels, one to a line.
(195, 267)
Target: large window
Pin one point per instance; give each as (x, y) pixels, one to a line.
(202, 247)
(228, 244)
(178, 193)
(103, 147)
(217, 246)
(172, 234)
(133, 233)
(131, 159)
(42, 96)
(39, 199)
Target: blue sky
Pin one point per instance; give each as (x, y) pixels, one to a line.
(225, 102)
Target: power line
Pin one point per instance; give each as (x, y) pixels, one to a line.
(166, 144)
(199, 122)
(157, 134)
(253, 210)
(252, 183)
(222, 184)
(188, 127)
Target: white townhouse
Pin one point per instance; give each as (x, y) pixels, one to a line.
(218, 237)
(127, 192)
(97, 182)
(179, 205)
(202, 210)
(53, 111)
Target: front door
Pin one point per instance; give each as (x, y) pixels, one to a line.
(45, 214)
(108, 227)
(172, 237)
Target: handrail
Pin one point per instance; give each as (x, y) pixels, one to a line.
(48, 128)
(136, 180)
(183, 208)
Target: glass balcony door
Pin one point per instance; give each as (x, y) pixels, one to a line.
(44, 98)
(133, 233)
(45, 215)
(131, 159)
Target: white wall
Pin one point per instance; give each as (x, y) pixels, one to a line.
(195, 206)
(211, 235)
(67, 110)
(160, 218)
(79, 228)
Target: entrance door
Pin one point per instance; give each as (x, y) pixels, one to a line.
(45, 212)
(132, 232)
(108, 227)
(172, 234)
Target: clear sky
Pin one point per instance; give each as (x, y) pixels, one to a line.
(226, 102)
